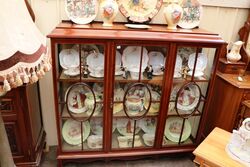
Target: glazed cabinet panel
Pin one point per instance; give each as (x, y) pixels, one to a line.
(122, 93)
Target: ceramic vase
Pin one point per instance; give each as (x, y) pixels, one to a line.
(173, 13)
(109, 9)
(234, 55)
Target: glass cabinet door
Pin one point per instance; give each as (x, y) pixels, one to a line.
(137, 95)
(80, 83)
(188, 97)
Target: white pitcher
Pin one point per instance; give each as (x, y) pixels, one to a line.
(234, 55)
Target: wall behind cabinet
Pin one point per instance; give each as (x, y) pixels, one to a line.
(225, 21)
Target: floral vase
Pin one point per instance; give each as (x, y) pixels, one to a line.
(109, 9)
(173, 13)
(234, 55)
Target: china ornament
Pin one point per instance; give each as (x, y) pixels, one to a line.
(109, 9)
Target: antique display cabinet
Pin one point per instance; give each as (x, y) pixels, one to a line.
(122, 93)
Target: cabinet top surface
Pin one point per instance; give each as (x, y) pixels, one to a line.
(120, 31)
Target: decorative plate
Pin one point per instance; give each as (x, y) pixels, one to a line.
(178, 67)
(71, 131)
(72, 72)
(118, 63)
(189, 97)
(148, 125)
(192, 11)
(173, 129)
(201, 64)
(148, 139)
(95, 61)
(69, 58)
(138, 26)
(76, 99)
(139, 10)
(131, 58)
(126, 127)
(81, 11)
(96, 125)
(157, 61)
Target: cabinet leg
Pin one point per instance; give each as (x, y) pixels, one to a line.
(59, 163)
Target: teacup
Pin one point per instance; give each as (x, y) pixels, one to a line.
(149, 139)
(95, 141)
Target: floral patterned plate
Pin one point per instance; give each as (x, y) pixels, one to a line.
(81, 11)
(71, 131)
(139, 10)
(192, 11)
(173, 129)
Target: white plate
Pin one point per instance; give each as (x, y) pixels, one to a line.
(69, 58)
(126, 127)
(192, 11)
(71, 131)
(96, 75)
(95, 61)
(157, 61)
(188, 98)
(201, 63)
(81, 11)
(72, 72)
(131, 58)
(148, 125)
(196, 74)
(137, 26)
(173, 129)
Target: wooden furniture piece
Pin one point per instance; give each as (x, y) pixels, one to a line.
(23, 122)
(228, 95)
(211, 152)
(126, 110)
(244, 112)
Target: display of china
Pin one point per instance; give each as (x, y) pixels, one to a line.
(69, 59)
(109, 9)
(131, 60)
(157, 61)
(81, 11)
(95, 62)
(178, 67)
(201, 64)
(192, 11)
(89, 103)
(94, 141)
(71, 131)
(127, 141)
(173, 13)
(238, 147)
(234, 54)
(148, 139)
(134, 105)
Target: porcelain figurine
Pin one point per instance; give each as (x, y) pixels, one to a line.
(239, 145)
(173, 13)
(109, 9)
(234, 55)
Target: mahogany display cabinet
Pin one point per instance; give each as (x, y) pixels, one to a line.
(122, 93)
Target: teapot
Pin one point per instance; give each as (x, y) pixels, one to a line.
(234, 55)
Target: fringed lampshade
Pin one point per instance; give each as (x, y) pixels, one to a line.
(24, 54)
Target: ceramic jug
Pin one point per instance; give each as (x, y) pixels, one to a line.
(234, 54)
(109, 9)
(173, 13)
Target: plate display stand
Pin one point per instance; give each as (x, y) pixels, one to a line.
(125, 103)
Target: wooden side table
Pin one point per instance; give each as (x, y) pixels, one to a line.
(211, 152)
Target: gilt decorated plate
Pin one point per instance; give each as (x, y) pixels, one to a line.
(71, 131)
(81, 11)
(173, 129)
(139, 11)
(192, 11)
